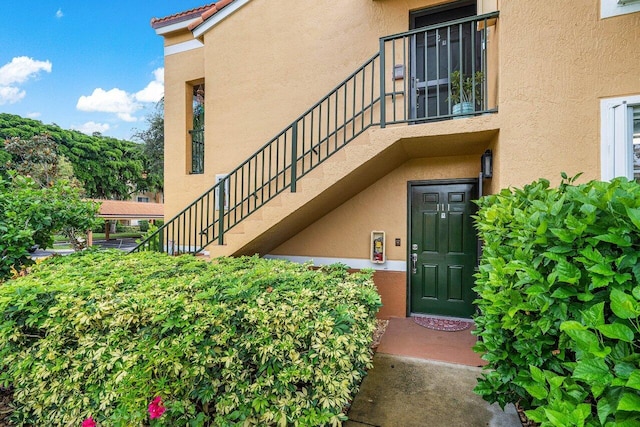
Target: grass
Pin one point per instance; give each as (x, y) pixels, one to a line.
(62, 245)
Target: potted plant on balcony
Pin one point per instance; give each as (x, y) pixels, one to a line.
(466, 91)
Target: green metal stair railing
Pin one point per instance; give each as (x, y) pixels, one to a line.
(327, 127)
(333, 122)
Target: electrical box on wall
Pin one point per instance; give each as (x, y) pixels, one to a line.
(378, 247)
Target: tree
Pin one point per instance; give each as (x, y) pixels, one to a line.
(31, 214)
(153, 150)
(107, 168)
(38, 158)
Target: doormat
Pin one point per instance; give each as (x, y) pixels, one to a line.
(443, 324)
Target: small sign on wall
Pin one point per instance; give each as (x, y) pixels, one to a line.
(378, 247)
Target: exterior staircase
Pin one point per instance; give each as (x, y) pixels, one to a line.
(323, 158)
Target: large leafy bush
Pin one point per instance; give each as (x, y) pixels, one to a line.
(559, 291)
(241, 341)
(30, 214)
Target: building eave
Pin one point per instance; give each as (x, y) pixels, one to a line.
(179, 21)
(213, 18)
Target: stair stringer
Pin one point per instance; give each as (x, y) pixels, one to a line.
(325, 188)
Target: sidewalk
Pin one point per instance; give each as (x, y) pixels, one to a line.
(403, 390)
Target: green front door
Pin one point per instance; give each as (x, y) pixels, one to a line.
(443, 248)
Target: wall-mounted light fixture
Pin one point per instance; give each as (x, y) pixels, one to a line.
(486, 164)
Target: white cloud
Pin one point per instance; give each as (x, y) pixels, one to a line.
(59, 14)
(34, 115)
(10, 95)
(115, 101)
(90, 127)
(121, 103)
(16, 72)
(154, 90)
(21, 69)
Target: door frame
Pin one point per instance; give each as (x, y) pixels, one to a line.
(418, 183)
(456, 9)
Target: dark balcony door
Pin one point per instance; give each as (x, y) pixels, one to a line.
(436, 53)
(443, 248)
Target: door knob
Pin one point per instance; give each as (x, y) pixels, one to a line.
(414, 261)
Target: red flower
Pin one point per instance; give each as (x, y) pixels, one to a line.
(89, 423)
(156, 408)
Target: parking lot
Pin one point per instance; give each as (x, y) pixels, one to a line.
(125, 245)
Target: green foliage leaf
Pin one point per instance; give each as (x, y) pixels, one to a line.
(622, 241)
(629, 402)
(604, 409)
(634, 216)
(617, 331)
(536, 390)
(623, 305)
(634, 380)
(568, 273)
(557, 418)
(594, 315)
(593, 370)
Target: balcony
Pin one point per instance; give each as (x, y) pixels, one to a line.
(439, 72)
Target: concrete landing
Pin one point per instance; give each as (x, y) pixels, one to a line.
(406, 392)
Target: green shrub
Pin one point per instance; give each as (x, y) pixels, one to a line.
(236, 341)
(30, 215)
(143, 225)
(559, 295)
(98, 226)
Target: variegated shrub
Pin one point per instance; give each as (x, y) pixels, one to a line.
(237, 341)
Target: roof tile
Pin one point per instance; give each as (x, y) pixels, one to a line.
(181, 16)
(219, 5)
(119, 209)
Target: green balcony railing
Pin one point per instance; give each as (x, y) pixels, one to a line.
(197, 151)
(437, 72)
(416, 75)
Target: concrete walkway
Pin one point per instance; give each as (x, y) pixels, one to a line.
(406, 392)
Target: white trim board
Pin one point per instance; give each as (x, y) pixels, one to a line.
(616, 158)
(182, 47)
(182, 25)
(356, 263)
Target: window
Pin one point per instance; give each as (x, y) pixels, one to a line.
(143, 199)
(620, 137)
(197, 130)
(610, 8)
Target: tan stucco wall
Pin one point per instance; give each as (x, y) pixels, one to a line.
(179, 187)
(345, 232)
(557, 60)
(272, 62)
(264, 66)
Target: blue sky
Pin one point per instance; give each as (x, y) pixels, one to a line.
(84, 64)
